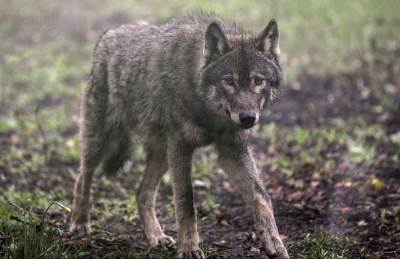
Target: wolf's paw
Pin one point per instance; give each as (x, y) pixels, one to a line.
(162, 240)
(191, 254)
(80, 228)
(275, 248)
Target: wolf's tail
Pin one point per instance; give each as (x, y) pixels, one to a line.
(112, 133)
(117, 154)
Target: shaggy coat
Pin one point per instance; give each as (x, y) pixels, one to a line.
(179, 86)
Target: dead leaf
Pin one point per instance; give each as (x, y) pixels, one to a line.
(295, 196)
(314, 184)
(345, 209)
(348, 184)
(362, 223)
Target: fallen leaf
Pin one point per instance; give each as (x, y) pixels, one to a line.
(345, 209)
(377, 184)
(348, 184)
(362, 223)
(295, 196)
(255, 249)
(314, 184)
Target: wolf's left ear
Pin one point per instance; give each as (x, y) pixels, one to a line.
(268, 39)
(215, 42)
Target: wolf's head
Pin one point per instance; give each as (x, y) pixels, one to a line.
(241, 72)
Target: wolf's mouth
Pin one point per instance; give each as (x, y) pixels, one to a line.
(246, 126)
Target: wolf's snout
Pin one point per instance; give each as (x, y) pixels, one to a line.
(247, 119)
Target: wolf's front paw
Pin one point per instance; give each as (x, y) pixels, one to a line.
(80, 228)
(162, 240)
(191, 254)
(274, 248)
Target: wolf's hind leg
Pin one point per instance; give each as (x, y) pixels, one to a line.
(156, 166)
(94, 105)
(90, 159)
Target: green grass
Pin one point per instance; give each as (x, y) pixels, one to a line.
(321, 245)
(29, 235)
(312, 142)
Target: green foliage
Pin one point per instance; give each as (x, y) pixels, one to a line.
(28, 235)
(360, 152)
(321, 245)
(7, 124)
(26, 199)
(312, 142)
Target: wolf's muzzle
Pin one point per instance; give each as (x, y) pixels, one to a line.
(247, 119)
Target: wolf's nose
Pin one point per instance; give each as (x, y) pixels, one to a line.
(247, 119)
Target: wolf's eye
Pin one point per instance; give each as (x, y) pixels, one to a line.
(259, 81)
(228, 81)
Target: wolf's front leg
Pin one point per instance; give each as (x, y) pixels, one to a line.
(237, 162)
(156, 166)
(180, 162)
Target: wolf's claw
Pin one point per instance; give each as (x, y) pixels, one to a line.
(162, 240)
(80, 228)
(194, 254)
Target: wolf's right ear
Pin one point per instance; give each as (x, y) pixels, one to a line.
(268, 39)
(215, 43)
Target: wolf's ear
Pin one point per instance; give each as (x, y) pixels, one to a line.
(215, 42)
(268, 39)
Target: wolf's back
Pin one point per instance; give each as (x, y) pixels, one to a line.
(141, 72)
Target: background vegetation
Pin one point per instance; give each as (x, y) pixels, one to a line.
(328, 150)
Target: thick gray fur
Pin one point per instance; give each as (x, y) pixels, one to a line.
(179, 86)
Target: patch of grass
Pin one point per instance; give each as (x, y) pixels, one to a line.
(269, 132)
(359, 152)
(26, 199)
(131, 210)
(70, 149)
(320, 245)
(28, 235)
(203, 167)
(7, 124)
(204, 163)
(210, 252)
(314, 145)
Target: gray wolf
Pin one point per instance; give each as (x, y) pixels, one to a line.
(180, 85)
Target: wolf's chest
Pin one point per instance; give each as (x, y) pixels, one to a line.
(197, 136)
